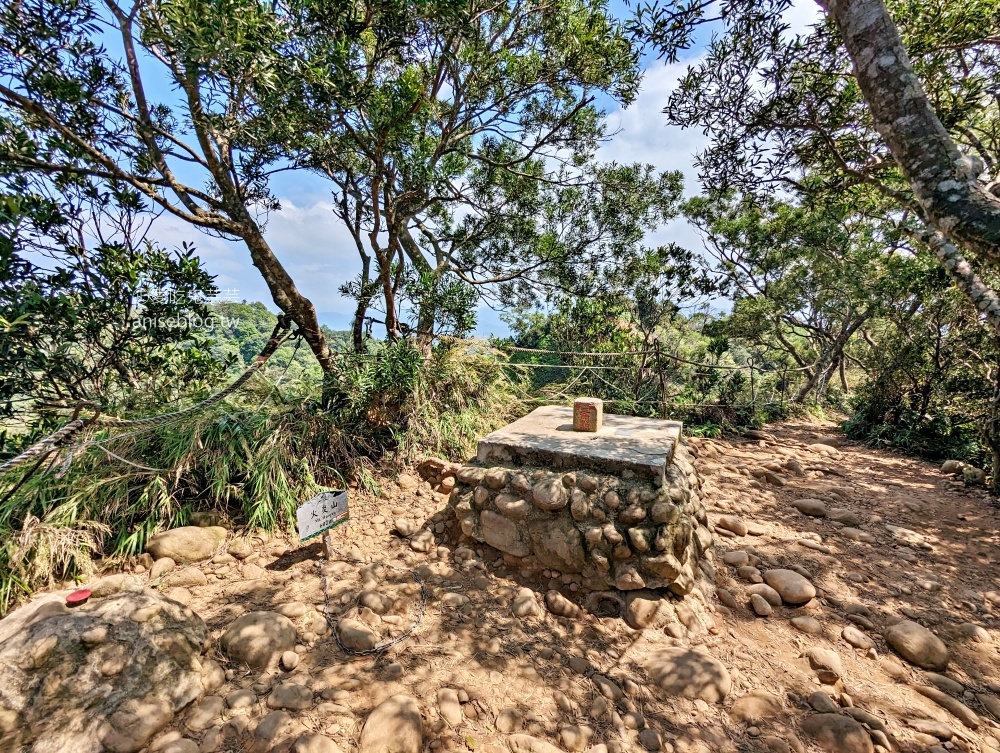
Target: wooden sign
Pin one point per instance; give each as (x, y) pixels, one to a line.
(321, 513)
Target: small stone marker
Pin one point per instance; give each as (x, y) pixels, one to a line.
(588, 414)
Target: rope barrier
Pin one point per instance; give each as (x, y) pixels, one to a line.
(272, 345)
(572, 354)
(281, 376)
(44, 447)
(657, 355)
(568, 366)
(56, 439)
(564, 353)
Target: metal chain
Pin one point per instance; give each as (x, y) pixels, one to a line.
(332, 625)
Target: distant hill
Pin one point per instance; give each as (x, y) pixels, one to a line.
(242, 329)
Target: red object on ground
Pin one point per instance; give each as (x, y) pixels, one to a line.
(77, 598)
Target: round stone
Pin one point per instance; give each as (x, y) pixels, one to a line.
(756, 706)
(290, 696)
(792, 587)
(808, 506)
(760, 606)
(687, 673)
(314, 743)
(733, 524)
(394, 725)
(187, 544)
(826, 663)
(767, 593)
(917, 645)
(649, 739)
(856, 638)
(739, 558)
(836, 733)
(57, 686)
(256, 638)
(809, 625)
(550, 494)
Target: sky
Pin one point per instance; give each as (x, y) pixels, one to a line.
(320, 254)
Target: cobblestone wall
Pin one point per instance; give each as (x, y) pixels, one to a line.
(605, 531)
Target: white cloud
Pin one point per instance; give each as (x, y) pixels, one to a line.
(801, 15)
(642, 133)
(307, 238)
(320, 255)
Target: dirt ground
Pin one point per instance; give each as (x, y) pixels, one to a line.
(922, 547)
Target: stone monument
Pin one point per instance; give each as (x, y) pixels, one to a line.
(614, 506)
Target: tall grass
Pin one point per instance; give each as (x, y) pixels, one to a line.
(253, 460)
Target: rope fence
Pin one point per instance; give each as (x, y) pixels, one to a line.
(39, 451)
(649, 387)
(657, 353)
(653, 373)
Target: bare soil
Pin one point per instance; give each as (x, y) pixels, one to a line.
(937, 565)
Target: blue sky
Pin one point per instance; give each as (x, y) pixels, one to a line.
(321, 256)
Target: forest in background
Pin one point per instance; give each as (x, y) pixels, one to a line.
(849, 216)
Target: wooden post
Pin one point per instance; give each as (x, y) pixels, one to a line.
(663, 384)
(328, 546)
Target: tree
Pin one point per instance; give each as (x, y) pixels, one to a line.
(846, 102)
(929, 377)
(945, 183)
(804, 279)
(634, 313)
(891, 107)
(467, 151)
(239, 332)
(93, 311)
(77, 102)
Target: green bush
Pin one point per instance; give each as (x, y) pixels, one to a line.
(929, 383)
(935, 436)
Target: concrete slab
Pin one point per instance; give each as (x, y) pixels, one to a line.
(545, 437)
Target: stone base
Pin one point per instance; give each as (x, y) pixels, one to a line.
(605, 531)
(545, 439)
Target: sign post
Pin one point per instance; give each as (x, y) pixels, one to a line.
(321, 513)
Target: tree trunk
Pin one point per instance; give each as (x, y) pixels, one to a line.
(384, 261)
(829, 358)
(944, 182)
(790, 348)
(427, 311)
(286, 295)
(991, 427)
(426, 318)
(358, 331)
